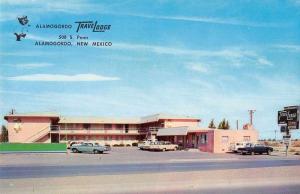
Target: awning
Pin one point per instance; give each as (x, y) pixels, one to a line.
(173, 131)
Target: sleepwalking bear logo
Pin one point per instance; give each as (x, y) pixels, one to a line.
(23, 20)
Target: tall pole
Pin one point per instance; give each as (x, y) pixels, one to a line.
(251, 116)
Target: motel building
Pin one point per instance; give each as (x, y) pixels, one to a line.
(182, 130)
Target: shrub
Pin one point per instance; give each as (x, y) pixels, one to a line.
(121, 145)
(116, 145)
(296, 143)
(128, 145)
(135, 144)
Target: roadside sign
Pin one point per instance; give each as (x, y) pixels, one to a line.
(289, 117)
(282, 117)
(283, 129)
(286, 141)
(287, 137)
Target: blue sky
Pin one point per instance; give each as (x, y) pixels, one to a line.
(215, 59)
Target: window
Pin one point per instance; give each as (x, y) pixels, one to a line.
(246, 138)
(225, 139)
(107, 126)
(119, 126)
(203, 138)
(86, 126)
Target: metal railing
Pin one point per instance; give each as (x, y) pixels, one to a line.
(38, 134)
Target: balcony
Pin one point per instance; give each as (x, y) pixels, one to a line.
(102, 131)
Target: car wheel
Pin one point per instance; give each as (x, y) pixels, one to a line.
(175, 148)
(252, 153)
(164, 149)
(95, 151)
(74, 150)
(268, 152)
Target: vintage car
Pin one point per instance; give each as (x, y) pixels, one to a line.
(255, 149)
(235, 146)
(163, 146)
(89, 148)
(144, 145)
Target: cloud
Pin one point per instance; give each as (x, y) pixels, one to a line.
(198, 67)
(288, 47)
(32, 65)
(213, 20)
(264, 61)
(63, 78)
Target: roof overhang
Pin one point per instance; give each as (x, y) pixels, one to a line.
(173, 131)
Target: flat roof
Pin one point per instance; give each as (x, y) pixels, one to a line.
(39, 114)
(102, 120)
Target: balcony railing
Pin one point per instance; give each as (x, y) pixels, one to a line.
(101, 131)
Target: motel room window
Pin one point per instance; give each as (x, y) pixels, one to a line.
(246, 138)
(119, 126)
(107, 126)
(203, 138)
(86, 126)
(225, 139)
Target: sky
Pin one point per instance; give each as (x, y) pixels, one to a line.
(206, 59)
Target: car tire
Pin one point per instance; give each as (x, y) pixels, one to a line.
(74, 150)
(268, 152)
(95, 151)
(164, 149)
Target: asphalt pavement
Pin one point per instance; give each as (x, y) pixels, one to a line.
(7, 172)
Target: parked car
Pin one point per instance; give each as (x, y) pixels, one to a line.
(89, 148)
(235, 146)
(71, 143)
(163, 146)
(255, 149)
(145, 144)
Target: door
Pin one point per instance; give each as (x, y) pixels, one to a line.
(54, 138)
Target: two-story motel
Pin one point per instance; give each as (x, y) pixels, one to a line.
(184, 130)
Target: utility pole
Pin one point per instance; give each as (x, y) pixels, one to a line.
(275, 134)
(251, 116)
(237, 124)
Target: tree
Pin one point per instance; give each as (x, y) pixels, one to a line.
(221, 124)
(212, 124)
(227, 126)
(224, 124)
(4, 134)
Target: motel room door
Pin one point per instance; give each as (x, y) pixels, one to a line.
(54, 137)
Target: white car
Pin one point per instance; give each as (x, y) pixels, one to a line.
(163, 146)
(145, 144)
(234, 148)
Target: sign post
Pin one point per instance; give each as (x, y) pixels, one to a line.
(288, 119)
